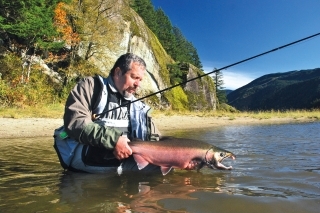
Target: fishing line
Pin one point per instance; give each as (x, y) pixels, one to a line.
(216, 70)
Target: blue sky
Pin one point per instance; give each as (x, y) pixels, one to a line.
(228, 31)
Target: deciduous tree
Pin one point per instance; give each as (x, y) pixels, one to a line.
(92, 21)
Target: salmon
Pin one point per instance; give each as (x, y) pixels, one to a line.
(172, 152)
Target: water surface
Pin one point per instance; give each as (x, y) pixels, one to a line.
(277, 170)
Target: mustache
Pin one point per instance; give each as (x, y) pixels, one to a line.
(127, 93)
(132, 88)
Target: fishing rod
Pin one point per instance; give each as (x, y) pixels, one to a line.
(216, 70)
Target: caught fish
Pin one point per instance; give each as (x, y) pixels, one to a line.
(172, 152)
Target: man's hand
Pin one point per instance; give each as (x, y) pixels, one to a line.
(122, 150)
(192, 165)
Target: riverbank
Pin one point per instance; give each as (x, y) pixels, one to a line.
(44, 127)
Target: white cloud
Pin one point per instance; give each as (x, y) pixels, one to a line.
(233, 79)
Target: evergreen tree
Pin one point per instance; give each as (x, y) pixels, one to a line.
(171, 38)
(194, 57)
(30, 20)
(218, 80)
(180, 45)
(164, 32)
(9, 12)
(26, 27)
(184, 50)
(146, 11)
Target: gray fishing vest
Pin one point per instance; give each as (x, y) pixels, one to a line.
(132, 119)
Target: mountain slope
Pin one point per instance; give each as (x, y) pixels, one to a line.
(279, 91)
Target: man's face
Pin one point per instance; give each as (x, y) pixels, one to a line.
(128, 83)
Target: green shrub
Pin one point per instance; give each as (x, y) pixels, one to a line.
(177, 98)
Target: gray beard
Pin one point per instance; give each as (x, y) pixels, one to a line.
(127, 95)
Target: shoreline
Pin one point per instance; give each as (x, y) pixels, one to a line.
(44, 127)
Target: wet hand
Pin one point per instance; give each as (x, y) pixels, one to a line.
(122, 150)
(192, 165)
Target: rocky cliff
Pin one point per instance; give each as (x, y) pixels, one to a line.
(132, 35)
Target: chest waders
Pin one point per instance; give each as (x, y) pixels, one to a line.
(132, 120)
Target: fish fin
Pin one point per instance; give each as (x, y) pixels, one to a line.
(165, 170)
(141, 162)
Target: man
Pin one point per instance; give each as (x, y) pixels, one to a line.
(100, 119)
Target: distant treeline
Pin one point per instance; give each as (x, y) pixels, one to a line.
(279, 91)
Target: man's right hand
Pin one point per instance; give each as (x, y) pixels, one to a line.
(122, 150)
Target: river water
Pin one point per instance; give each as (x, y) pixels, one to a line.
(277, 170)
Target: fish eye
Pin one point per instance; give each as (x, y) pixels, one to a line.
(221, 154)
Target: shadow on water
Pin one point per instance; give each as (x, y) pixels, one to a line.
(277, 170)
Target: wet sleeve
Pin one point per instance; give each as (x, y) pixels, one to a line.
(78, 113)
(99, 135)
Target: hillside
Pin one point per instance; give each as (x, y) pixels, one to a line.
(86, 39)
(279, 91)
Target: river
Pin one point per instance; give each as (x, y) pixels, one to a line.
(277, 169)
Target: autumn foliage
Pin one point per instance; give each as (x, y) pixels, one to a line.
(64, 27)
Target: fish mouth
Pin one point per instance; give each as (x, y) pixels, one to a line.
(219, 165)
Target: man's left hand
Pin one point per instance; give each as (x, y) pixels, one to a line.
(122, 150)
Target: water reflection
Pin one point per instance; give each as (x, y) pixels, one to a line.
(178, 192)
(136, 193)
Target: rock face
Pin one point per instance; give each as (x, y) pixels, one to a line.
(202, 90)
(130, 34)
(127, 41)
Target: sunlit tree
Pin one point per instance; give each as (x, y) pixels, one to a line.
(218, 80)
(92, 19)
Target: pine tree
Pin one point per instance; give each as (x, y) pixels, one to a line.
(27, 27)
(218, 80)
(146, 11)
(30, 20)
(184, 50)
(171, 38)
(164, 32)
